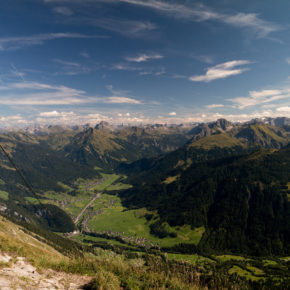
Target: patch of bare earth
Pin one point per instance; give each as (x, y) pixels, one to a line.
(16, 273)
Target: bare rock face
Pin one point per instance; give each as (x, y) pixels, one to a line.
(104, 126)
(207, 129)
(223, 124)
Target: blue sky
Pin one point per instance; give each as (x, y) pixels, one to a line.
(143, 61)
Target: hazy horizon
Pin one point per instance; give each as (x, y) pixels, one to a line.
(118, 125)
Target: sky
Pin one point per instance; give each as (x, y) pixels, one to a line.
(143, 61)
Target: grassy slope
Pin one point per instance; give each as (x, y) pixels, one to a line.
(222, 140)
(15, 241)
(262, 130)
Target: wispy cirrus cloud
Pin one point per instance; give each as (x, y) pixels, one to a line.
(120, 96)
(18, 42)
(199, 12)
(214, 106)
(143, 57)
(260, 27)
(221, 71)
(260, 97)
(125, 27)
(196, 12)
(121, 100)
(75, 68)
(143, 71)
(40, 94)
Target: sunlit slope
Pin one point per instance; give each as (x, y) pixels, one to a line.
(20, 242)
(221, 140)
(261, 135)
(106, 149)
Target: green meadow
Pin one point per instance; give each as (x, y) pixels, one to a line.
(114, 217)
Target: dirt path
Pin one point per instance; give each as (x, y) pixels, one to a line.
(98, 195)
(16, 273)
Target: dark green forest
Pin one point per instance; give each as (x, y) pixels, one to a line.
(241, 200)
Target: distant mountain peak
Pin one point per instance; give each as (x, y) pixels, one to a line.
(103, 125)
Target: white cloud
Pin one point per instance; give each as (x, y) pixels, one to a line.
(214, 106)
(49, 114)
(221, 71)
(121, 100)
(172, 114)
(144, 57)
(260, 97)
(283, 109)
(287, 60)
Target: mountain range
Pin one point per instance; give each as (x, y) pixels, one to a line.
(179, 170)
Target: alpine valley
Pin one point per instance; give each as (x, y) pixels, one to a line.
(189, 206)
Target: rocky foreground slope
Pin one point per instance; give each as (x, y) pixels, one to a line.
(25, 261)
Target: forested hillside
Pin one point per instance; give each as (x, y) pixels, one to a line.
(242, 200)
